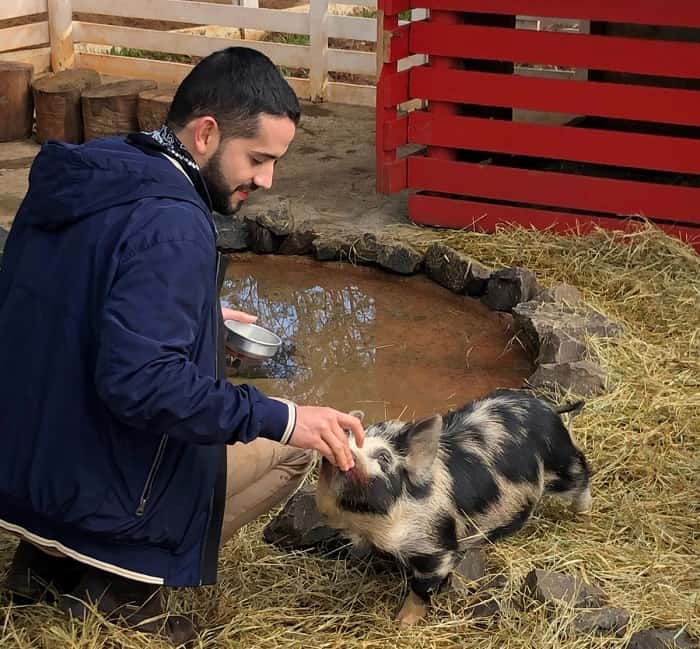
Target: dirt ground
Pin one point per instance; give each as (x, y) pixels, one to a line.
(328, 173)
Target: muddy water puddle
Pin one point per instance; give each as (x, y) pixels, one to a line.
(360, 338)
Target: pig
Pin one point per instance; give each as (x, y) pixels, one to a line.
(429, 490)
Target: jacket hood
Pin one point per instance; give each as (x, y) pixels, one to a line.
(69, 183)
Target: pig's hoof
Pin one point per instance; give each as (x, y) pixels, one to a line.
(413, 610)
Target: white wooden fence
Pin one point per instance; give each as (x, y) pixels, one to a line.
(73, 42)
(65, 43)
(28, 42)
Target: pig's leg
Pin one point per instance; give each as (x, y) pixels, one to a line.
(581, 500)
(429, 574)
(579, 493)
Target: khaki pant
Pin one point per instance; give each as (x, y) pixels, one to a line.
(261, 475)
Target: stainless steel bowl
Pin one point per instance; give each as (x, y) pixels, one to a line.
(251, 340)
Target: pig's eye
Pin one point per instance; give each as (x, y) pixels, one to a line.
(384, 459)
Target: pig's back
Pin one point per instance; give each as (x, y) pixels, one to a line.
(497, 450)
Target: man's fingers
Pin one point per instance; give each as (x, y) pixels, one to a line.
(345, 445)
(238, 316)
(355, 426)
(334, 441)
(326, 451)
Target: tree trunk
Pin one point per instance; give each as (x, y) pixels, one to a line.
(111, 109)
(59, 114)
(153, 107)
(16, 102)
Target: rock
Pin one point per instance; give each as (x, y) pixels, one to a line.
(331, 246)
(299, 242)
(262, 240)
(472, 567)
(300, 526)
(494, 583)
(580, 377)
(447, 267)
(398, 257)
(485, 601)
(234, 232)
(557, 588)
(565, 293)
(661, 639)
(559, 346)
(269, 226)
(509, 287)
(455, 271)
(278, 218)
(556, 332)
(477, 279)
(364, 249)
(486, 607)
(607, 620)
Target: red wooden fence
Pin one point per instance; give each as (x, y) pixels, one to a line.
(630, 149)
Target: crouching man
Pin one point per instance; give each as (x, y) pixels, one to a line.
(126, 458)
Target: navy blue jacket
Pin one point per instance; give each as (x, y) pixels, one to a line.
(112, 424)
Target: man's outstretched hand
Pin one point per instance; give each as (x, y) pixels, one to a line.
(323, 430)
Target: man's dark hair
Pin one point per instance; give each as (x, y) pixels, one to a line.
(235, 86)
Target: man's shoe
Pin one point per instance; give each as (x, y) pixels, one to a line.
(35, 576)
(137, 605)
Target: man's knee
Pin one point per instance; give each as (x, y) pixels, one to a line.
(298, 461)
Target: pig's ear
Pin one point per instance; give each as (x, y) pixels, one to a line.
(357, 413)
(422, 441)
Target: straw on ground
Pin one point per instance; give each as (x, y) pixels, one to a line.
(640, 544)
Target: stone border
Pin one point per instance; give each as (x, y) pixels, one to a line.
(552, 323)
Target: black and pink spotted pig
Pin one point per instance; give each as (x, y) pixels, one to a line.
(428, 490)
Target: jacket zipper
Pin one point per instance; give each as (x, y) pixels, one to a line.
(217, 324)
(148, 486)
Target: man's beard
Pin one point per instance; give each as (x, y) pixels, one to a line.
(220, 191)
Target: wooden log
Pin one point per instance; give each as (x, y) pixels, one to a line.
(111, 108)
(61, 34)
(59, 114)
(16, 102)
(153, 105)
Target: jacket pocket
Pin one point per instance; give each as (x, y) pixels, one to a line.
(151, 477)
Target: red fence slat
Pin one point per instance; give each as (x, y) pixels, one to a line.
(655, 152)
(453, 213)
(645, 12)
(619, 197)
(394, 89)
(642, 56)
(396, 133)
(571, 96)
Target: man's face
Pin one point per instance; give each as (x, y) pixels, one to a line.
(240, 166)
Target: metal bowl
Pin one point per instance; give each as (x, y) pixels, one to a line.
(251, 340)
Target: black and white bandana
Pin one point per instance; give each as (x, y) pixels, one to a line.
(165, 141)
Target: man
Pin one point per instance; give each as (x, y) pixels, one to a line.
(126, 459)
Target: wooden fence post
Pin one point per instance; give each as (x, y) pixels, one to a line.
(61, 34)
(318, 73)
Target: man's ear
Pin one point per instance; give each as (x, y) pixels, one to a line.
(422, 440)
(204, 135)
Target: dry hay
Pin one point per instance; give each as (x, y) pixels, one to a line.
(640, 544)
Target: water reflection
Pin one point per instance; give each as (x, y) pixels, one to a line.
(342, 319)
(360, 338)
